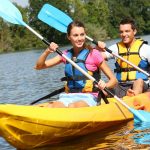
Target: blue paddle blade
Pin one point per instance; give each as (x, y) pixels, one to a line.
(10, 13)
(54, 17)
(140, 115)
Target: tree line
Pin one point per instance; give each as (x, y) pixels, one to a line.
(101, 18)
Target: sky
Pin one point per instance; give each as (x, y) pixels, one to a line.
(22, 3)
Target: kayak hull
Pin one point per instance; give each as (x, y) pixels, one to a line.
(27, 127)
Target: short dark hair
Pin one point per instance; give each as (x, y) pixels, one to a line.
(74, 24)
(130, 21)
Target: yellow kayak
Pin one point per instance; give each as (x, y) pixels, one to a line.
(27, 127)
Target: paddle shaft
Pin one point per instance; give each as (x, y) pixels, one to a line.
(128, 62)
(49, 95)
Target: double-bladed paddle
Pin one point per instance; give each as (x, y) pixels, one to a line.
(14, 16)
(59, 20)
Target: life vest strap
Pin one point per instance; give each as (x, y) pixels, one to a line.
(128, 53)
(124, 69)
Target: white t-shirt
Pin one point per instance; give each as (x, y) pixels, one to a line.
(144, 52)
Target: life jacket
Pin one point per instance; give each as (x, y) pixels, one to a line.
(76, 81)
(125, 72)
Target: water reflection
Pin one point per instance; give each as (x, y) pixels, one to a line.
(142, 133)
(105, 139)
(119, 137)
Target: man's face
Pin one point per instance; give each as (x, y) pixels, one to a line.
(127, 34)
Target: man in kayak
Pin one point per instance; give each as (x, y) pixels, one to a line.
(136, 51)
(79, 90)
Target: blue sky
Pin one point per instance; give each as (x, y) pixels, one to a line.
(22, 3)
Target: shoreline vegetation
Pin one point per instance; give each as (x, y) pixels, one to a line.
(101, 18)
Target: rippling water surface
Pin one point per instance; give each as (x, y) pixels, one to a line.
(20, 83)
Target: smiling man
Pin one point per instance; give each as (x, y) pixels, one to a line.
(136, 51)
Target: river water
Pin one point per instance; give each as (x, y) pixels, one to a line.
(20, 83)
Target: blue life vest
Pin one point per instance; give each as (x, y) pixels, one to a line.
(76, 81)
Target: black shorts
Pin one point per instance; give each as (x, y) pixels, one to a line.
(121, 89)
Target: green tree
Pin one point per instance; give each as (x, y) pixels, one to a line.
(140, 11)
(22, 37)
(97, 19)
(94, 14)
(50, 33)
(77, 10)
(5, 37)
(137, 9)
